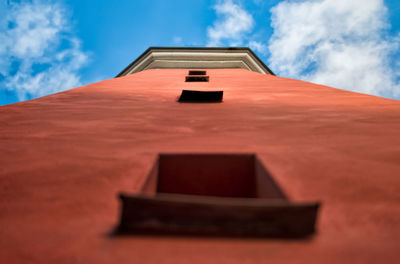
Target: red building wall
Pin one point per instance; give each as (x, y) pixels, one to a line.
(65, 157)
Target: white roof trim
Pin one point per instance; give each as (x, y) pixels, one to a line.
(197, 58)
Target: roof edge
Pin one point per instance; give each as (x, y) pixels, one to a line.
(148, 50)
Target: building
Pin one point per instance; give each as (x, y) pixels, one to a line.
(66, 157)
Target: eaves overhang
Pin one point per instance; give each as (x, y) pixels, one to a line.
(197, 58)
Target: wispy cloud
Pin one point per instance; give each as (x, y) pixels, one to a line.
(339, 43)
(39, 55)
(258, 46)
(232, 25)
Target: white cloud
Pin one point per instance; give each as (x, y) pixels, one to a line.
(232, 25)
(258, 46)
(340, 43)
(38, 55)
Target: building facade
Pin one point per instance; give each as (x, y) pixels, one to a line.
(66, 158)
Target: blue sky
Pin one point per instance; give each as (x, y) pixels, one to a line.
(49, 46)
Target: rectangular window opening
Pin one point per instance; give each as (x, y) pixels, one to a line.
(191, 96)
(216, 175)
(196, 78)
(214, 194)
(197, 72)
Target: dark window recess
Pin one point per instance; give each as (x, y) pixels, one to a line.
(201, 96)
(197, 72)
(214, 194)
(197, 78)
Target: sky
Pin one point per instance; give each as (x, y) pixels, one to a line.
(47, 46)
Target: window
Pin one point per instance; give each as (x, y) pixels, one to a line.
(214, 194)
(193, 78)
(197, 72)
(190, 96)
(197, 76)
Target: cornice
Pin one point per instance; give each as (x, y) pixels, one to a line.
(196, 58)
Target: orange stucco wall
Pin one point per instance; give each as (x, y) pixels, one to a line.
(65, 157)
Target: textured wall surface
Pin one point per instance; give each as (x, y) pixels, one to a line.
(65, 157)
